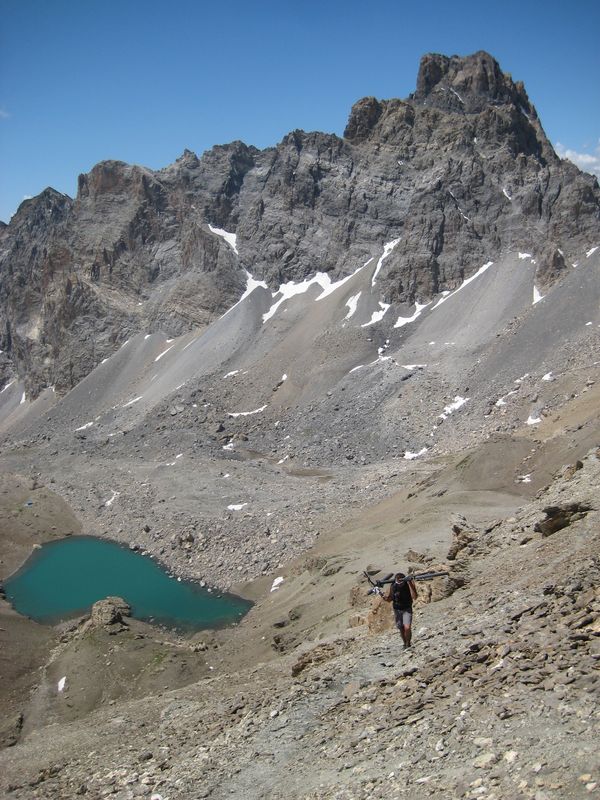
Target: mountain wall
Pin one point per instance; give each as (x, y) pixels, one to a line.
(461, 172)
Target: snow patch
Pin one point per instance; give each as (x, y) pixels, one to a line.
(591, 252)
(466, 282)
(536, 295)
(246, 413)
(502, 400)
(506, 194)
(401, 321)
(8, 385)
(112, 499)
(229, 446)
(409, 456)
(548, 377)
(236, 506)
(387, 249)
(322, 279)
(452, 195)
(413, 366)
(230, 238)
(329, 287)
(380, 358)
(523, 256)
(377, 316)
(251, 285)
(231, 374)
(524, 478)
(23, 399)
(83, 427)
(352, 303)
(131, 402)
(164, 352)
(276, 583)
(291, 288)
(62, 683)
(531, 420)
(457, 403)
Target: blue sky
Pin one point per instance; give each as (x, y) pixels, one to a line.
(140, 80)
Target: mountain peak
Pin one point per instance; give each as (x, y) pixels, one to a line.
(188, 159)
(49, 204)
(471, 92)
(467, 83)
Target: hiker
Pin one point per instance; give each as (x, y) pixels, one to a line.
(402, 593)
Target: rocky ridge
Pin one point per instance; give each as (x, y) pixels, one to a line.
(460, 172)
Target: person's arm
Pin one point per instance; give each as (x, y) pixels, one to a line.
(388, 597)
(413, 589)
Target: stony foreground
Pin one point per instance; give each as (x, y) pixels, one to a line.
(496, 699)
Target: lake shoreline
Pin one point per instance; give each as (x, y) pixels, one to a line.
(29, 648)
(63, 579)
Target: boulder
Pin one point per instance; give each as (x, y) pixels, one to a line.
(560, 516)
(109, 611)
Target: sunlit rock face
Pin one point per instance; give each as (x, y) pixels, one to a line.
(459, 172)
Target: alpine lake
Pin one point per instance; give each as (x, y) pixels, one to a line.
(63, 579)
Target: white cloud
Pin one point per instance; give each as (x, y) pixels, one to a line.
(4, 114)
(27, 197)
(588, 162)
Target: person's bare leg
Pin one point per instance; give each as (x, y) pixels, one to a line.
(402, 633)
(406, 635)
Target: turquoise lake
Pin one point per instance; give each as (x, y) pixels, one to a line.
(65, 578)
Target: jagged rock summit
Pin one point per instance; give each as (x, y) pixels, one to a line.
(460, 172)
(475, 81)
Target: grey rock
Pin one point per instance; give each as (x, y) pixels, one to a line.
(81, 276)
(109, 611)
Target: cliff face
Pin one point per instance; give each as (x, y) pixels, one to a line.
(460, 171)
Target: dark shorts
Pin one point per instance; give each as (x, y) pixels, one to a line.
(403, 617)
